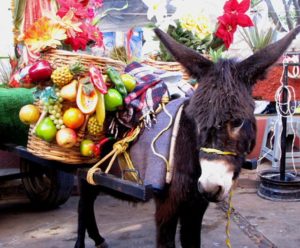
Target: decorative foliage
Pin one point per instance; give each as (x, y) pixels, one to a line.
(73, 26)
(195, 30)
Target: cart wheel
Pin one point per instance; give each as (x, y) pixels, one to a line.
(46, 187)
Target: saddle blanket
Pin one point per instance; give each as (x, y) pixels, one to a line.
(153, 145)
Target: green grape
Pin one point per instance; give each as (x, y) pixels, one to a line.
(52, 117)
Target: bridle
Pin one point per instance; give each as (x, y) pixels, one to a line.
(216, 151)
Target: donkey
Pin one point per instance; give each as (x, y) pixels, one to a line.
(217, 129)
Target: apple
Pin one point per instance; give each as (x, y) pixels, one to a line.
(46, 130)
(87, 148)
(73, 118)
(66, 137)
(113, 99)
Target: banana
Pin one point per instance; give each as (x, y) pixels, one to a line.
(100, 109)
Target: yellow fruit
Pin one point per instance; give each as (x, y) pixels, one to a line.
(61, 76)
(129, 82)
(29, 114)
(64, 74)
(100, 108)
(69, 91)
(94, 128)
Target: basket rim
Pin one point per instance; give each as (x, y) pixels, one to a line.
(88, 56)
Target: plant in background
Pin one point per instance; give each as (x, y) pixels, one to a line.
(262, 33)
(196, 31)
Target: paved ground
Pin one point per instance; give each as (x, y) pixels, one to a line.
(255, 222)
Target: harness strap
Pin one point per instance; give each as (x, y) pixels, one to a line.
(216, 151)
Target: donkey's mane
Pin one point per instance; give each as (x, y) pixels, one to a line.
(220, 97)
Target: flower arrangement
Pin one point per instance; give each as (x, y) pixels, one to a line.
(74, 26)
(196, 31)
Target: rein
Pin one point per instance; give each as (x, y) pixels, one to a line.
(216, 151)
(229, 210)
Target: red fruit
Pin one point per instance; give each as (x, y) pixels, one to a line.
(40, 71)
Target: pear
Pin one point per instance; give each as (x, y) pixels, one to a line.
(46, 130)
(69, 91)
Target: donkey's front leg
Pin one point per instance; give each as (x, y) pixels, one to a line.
(86, 216)
(191, 216)
(166, 223)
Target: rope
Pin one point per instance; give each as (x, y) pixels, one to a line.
(119, 147)
(158, 135)
(229, 211)
(290, 110)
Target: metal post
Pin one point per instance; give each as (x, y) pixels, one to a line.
(284, 121)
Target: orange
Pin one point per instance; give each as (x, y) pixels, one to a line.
(73, 118)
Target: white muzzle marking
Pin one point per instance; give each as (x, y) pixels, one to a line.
(216, 174)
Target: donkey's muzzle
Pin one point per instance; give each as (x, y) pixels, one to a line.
(215, 193)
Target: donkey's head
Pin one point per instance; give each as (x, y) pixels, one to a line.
(222, 109)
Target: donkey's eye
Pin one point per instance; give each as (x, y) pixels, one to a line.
(237, 123)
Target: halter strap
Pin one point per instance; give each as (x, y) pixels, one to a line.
(216, 151)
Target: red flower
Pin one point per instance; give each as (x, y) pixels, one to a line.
(78, 7)
(238, 10)
(234, 15)
(226, 29)
(94, 34)
(79, 41)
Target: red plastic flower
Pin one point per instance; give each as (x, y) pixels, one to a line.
(94, 34)
(234, 15)
(79, 41)
(226, 29)
(238, 10)
(78, 7)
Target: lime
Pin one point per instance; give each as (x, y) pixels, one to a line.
(113, 99)
(129, 82)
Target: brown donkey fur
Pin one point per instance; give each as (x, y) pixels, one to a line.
(220, 116)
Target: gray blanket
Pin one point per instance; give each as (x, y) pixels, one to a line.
(152, 168)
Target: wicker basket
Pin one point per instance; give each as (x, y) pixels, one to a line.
(51, 150)
(61, 57)
(167, 66)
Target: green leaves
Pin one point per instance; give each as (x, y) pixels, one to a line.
(258, 39)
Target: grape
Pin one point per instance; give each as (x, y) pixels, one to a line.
(57, 115)
(60, 121)
(55, 122)
(60, 99)
(58, 126)
(52, 117)
(63, 126)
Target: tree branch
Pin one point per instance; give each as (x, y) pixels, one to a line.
(287, 14)
(274, 16)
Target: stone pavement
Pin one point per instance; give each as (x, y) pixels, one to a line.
(255, 222)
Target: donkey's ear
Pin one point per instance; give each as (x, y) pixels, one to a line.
(195, 63)
(255, 66)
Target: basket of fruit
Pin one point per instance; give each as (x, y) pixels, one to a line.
(68, 118)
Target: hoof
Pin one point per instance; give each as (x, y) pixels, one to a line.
(102, 245)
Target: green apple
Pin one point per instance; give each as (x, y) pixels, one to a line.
(87, 147)
(46, 130)
(112, 99)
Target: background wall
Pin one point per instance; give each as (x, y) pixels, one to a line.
(6, 40)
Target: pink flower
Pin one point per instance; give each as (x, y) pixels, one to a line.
(79, 9)
(94, 34)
